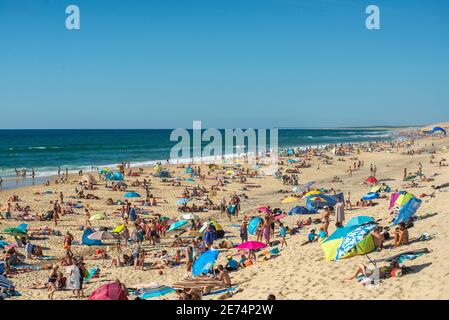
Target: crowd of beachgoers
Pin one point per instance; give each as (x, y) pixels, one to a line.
(345, 221)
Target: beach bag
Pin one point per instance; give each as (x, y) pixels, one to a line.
(248, 263)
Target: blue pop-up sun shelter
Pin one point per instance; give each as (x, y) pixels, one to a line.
(88, 242)
(114, 176)
(298, 210)
(407, 210)
(326, 200)
(252, 225)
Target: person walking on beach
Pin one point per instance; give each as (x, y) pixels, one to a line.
(88, 224)
(68, 243)
(1, 183)
(244, 231)
(340, 211)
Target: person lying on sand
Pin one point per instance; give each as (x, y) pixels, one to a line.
(375, 273)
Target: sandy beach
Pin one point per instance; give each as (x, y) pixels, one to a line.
(298, 272)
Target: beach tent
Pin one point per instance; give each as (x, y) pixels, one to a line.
(217, 226)
(348, 242)
(163, 174)
(407, 210)
(252, 225)
(109, 291)
(114, 176)
(88, 242)
(132, 194)
(205, 262)
(437, 129)
(315, 202)
(370, 196)
(298, 210)
(400, 198)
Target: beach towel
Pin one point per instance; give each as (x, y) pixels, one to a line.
(221, 291)
(411, 256)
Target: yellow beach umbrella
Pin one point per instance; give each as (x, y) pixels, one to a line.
(312, 192)
(289, 200)
(229, 172)
(119, 228)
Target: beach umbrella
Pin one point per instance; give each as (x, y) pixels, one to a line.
(217, 226)
(252, 225)
(132, 194)
(5, 283)
(230, 172)
(14, 232)
(178, 224)
(279, 216)
(291, 160)
(289, 200)
(102, 235)
(198, 282)
(358, 221)
(251, 245)
(438, 129)
(182, 201)
(318, 199)
(371, 180)
(189, 216)
(98, 216)
(155, 291)
(351, 240)
(119, 228)
(205, 262)
(263, 209)
(109, 291)
(313, 192)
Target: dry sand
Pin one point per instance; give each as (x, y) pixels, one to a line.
(299, 272)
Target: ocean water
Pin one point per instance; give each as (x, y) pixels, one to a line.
(45, 150)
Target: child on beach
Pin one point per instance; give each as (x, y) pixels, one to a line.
(311, 237)
(283, 234)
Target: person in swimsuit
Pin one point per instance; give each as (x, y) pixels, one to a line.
(325, 218)
(267, 230)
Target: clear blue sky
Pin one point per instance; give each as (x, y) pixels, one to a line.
(229, 63)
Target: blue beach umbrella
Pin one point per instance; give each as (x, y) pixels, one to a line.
(205, 262)
(177, 224)
(132, 194)
(182, 201)
(298, 210)
(407, 210)
(358, 221)
(252, 225)
(352, 239)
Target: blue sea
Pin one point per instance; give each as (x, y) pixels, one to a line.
(45, 150)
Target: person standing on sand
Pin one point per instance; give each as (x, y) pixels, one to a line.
(88, 224)
(340, 211)
(61, 197)
(55, 213)
(1, 182)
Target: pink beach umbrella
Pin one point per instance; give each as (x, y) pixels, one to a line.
(263, 209)
(251, 245)
(279, 216)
